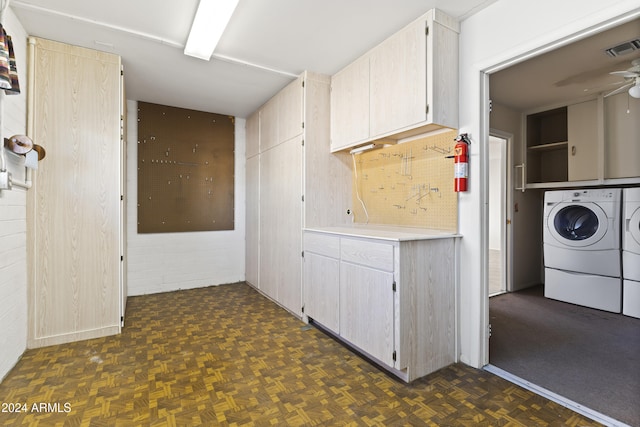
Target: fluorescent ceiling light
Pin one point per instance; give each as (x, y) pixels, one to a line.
(208, 25)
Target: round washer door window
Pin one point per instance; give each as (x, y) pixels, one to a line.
(578, 224)
(634, 225)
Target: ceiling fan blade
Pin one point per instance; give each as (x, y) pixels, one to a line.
(625, 74)
(619, 90)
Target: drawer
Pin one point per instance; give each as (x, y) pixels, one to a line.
(322, 244)
(366, 252)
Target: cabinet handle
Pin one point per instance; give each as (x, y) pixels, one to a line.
(573, 150)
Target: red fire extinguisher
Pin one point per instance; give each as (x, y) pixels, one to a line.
(461, 162)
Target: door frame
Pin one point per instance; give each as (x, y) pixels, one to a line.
(506, 198)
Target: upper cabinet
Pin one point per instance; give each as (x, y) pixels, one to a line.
(405, 86)
(350, 105)
(585, 143)
(622, 133)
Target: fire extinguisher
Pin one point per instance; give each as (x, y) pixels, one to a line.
(461, 162)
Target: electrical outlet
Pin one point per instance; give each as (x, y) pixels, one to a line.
(5, 180)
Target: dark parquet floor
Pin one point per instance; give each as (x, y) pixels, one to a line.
(227, 356)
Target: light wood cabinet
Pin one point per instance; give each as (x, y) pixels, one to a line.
(290, 110)
(74, 208)
(252, 227)
(583, 131)
(321, 289)
(299, 182)
(366, 310)
(395, 296)
(405, 86)
(585, 143)
(253, 135)
(280, 224)
(350, 105)
(622, 136)
(268, 125)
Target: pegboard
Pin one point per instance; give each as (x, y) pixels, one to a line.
(185, 170)
(408, 184)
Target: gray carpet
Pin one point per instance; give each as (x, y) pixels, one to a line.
(589, 356)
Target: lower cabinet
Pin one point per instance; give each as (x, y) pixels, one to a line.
(392, 300)
(366, 310)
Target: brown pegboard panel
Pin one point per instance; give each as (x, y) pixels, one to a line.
(409, 184)
(185, 170)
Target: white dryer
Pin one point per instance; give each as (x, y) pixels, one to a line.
(631, 252)
(581, 240)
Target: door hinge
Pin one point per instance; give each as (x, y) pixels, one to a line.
(303, 308)
(122, 318)
(393, 356)
(121, 257)
(302, 254)
(303, 197)
(302, 83)
(393, 286)
(121, 197)
(302, 143)
(490, 106)
(302, 125)
(489, 330)
(426, 110)
(426, 30)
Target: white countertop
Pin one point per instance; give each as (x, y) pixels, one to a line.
(384, 232)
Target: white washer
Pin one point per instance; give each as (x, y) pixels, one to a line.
(581, 240)
(631, 252)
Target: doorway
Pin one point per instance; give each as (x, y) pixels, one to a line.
(499, 218)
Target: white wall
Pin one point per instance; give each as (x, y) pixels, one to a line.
(13, 219)
(504, 30)
(170, 261)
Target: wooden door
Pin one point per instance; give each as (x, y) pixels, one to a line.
(74, 206)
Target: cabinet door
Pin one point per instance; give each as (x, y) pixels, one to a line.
(322, 290)
(252, 251)
(366, 310)
(290, 111)
(622, 136)
(253, 135)
(582, 132)
(350, 105)
(269, 125)
(281, 224)
(398, 81)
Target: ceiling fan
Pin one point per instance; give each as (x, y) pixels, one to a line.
(632, 80)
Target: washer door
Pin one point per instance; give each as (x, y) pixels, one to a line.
(634, 226)
(577, 224)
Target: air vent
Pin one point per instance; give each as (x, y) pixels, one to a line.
(623, 48)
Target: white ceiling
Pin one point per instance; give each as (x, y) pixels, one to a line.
(577, 70)
(266, 43)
